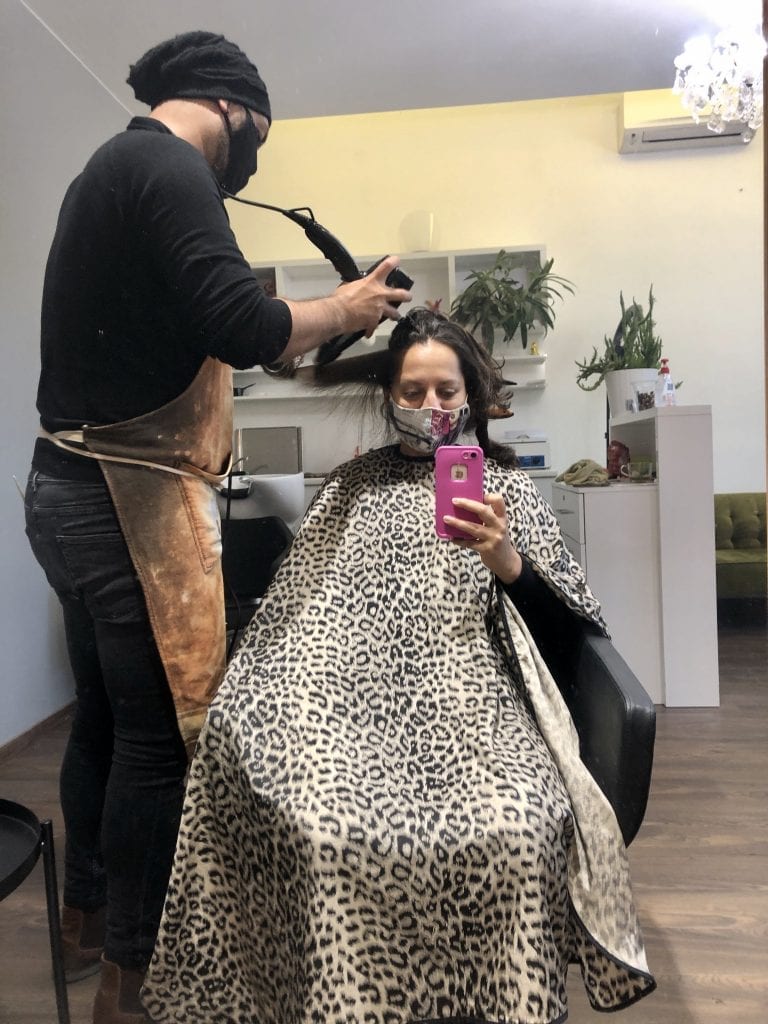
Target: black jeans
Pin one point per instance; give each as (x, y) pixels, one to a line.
(122, 779)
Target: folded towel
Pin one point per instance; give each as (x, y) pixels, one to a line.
(585, 473)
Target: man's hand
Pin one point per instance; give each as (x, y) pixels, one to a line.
(371, 298)
(356, 306)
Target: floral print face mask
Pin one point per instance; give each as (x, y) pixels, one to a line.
(425, 430)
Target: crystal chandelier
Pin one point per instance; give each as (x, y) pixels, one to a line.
(723, 82)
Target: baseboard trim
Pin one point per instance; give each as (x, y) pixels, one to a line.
(18, 744)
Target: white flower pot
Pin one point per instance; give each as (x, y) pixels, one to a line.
(620, 385)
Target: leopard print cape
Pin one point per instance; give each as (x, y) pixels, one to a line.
(387, 820)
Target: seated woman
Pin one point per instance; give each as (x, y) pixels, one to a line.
(387, 820)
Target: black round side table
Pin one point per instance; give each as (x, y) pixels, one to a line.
(23, 837)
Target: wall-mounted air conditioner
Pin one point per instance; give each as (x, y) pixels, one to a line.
(639, 131)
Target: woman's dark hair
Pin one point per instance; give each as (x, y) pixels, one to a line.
(482, 375)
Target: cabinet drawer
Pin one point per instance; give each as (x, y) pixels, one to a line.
(568, 506)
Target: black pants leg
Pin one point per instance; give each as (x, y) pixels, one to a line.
(122, 778)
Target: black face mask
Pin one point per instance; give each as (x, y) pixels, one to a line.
(241, 163)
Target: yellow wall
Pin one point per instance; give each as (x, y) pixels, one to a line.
(689, 222)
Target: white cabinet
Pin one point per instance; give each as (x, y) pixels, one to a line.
(649, 554)
(543, 479)
(613, 533)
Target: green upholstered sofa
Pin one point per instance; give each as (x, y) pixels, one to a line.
(740, 551)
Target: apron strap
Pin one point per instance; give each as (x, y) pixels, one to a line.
(70, 440)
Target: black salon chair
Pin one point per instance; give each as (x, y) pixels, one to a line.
(615, 720)
(252, 550)
(614, 717)
(22, 839)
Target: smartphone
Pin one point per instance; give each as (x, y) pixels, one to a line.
(458, 474)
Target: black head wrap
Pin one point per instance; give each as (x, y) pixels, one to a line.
(198, 65)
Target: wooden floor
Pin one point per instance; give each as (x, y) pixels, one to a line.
(700, 864)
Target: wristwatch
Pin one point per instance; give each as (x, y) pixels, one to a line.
(284, 369)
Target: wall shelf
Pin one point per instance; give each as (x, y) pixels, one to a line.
(283, 392)
(522, 360)
(529, 372)
(649, 417)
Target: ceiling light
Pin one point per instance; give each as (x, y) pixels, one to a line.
(723, 82)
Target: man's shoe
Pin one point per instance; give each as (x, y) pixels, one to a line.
(117, 998)
(82, 940)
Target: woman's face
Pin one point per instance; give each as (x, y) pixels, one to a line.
(430, 375)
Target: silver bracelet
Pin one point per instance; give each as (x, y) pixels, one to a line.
(284, 369)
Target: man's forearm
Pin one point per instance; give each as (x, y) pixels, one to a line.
(314, 321)
(354, 306)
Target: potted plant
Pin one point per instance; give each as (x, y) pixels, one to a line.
(496, 298)
(631, 357)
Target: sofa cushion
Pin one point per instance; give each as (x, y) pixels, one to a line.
(740, 521)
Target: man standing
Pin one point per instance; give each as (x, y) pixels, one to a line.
(148, 304)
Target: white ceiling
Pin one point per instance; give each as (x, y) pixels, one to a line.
(321, 57)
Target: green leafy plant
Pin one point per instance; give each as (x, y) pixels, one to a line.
(634, 345)
(495, 298)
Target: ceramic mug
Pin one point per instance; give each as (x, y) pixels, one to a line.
(637, 471)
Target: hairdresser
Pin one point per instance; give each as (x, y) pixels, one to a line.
(147, 305)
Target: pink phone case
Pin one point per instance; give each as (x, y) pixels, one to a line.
(458, 474)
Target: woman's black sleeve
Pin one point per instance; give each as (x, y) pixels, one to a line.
(555, 628)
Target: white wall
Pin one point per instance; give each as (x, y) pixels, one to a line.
(52, 115)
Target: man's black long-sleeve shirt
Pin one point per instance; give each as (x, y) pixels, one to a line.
(144, 280)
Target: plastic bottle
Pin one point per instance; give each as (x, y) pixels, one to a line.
(665, 386)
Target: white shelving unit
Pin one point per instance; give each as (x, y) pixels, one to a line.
(332, 429)
(649, 554)
(436, 276)
(262, 387)
(528, 372)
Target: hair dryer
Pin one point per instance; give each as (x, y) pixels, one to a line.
(342, 261)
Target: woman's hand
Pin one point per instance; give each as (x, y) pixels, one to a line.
(489, 537)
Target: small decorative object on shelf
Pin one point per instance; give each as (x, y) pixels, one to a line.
(266, 278)
(638, 471)
(645, 395)
(500, 298)
(240, 391)
(618, 456)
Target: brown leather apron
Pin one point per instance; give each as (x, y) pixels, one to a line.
(159, 468)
